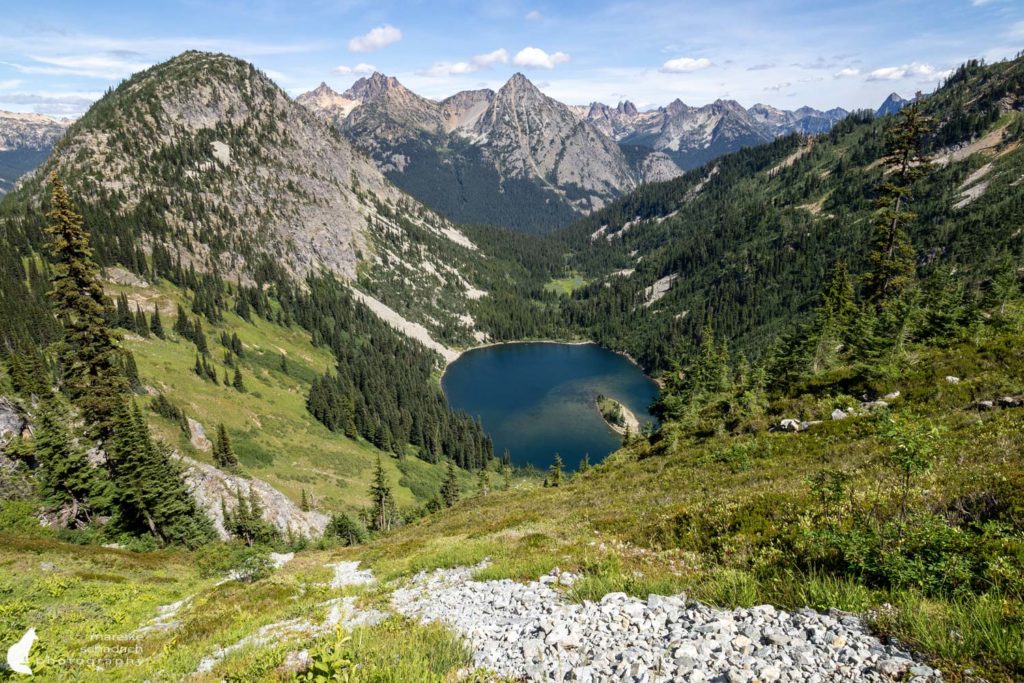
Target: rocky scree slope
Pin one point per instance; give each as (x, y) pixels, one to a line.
(529, 631)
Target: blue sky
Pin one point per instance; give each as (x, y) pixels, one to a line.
(58, 56)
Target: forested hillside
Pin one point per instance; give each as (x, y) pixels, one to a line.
(747, 240)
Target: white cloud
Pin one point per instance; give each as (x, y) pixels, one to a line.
(89, 66)
(534, 15)
(499, 56)
(382, 36)
(778, 86)
(484, 61)
(918, 71)
(535, 57)
(7, 85)
(979, 3)
(846, 73)
(360, 69)
(682, 65)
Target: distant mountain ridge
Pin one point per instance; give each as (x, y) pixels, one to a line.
(519, 158)
(25, 142)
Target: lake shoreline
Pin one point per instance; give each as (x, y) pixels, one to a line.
(488, 345)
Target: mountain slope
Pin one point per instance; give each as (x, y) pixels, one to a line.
(521, 159)
(204, 159)
(25, 142)
(747, 239)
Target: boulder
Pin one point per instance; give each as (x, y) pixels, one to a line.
(1011, 401)
(891, 396)
(982, 405)
(209, 486)
(874, 405)
(199, 439)
(789, 425)
(952, 379)
(839, 414)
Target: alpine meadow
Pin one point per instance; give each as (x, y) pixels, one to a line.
(241, 438)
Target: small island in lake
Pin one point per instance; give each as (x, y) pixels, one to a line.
(619, 417)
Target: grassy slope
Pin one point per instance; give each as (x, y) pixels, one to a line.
(702, 517)
(276, 438)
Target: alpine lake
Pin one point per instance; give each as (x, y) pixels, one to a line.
(539, 398)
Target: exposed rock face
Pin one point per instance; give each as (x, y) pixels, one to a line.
(571, 152)
(210, 485)
(327, 103)
(892, 105)
(12, 422)
(530, 134)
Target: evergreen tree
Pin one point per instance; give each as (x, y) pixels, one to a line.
(92, 374)
(483, 482)
(237, 382)
(450, 488)
(585, 463)
(141, 324)
(346, 529)
(381, 500)
(892, 255)
(555, 472)
(149, 492)
(284, 364)
(156, 326)
(223, 454)
(69, 484)
(304, 504)
(245, 521)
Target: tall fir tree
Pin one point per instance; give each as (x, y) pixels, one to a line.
(381, 499)
(892, 258)
(156, 326)
(450, 488)
(149, 491)
(223, 454)
(91, 370)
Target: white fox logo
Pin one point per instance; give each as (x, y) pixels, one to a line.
(17, 654)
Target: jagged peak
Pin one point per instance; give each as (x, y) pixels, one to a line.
(373, 87)
(519, 82)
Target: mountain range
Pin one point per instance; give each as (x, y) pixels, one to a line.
(25, 142)
(521, 159)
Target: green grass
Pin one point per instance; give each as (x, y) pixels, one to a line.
(566, 285)
(274, 435)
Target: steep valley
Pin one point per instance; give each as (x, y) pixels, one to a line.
(834, 489)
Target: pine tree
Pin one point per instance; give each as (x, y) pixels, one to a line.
(381, 500)
(246, 521)
(223, 454)
(555, 472)
(450, 488)
(148, 490)
(156, 326)
(585, 463)
(141, 324)
(92, 373)
(483, 482)
(284, 364)
(304, 502)
(69, 484)
(237, 382)
(892, 265)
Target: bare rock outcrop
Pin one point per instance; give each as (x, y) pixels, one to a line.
(209, 486)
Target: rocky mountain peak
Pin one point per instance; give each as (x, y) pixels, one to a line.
(676, 106)
(374, 87)
(627, 108)
(893, 103)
